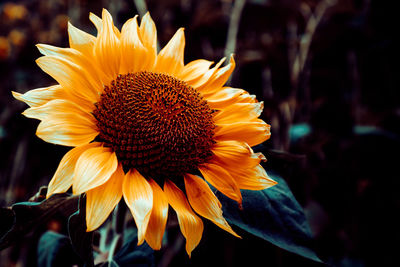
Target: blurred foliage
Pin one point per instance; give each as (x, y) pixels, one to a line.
(327, 66)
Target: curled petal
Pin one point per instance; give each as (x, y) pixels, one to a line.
(203, 79)
(138, 195)
(191, 225)
(218, 79)
(101, 201)
(62, 179)
(194, 70)
(93, 168)
(218, 177)
(204, 202)
(158, 217)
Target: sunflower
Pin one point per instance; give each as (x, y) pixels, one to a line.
(147, 128)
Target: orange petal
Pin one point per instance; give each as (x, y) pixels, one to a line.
(239, 112)
(98, 23)
(62, 179)
(80, 40)
(138, 195)
(191, 225)
(136, 56)
(222, 180)
(72, 77)
(251, 178)
(63, 123)
(235, 153)
(204, 202)
(41, 96)
(158, 217)
(93, 168)
(148, 34)
(194, 70)
(76, 57)
(101, 201)
(218, 79)
(170, 58)
(107, 49)
(59, 108)
(253, 133)
(228, 96)
(203, 79)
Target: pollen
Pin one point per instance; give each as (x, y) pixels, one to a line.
(155, 123)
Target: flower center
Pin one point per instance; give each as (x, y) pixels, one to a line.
(155, 123)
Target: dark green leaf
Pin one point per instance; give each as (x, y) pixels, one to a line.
(55, 250)
(133, 255)
(274, 215)
(28, 215)
(81, 240)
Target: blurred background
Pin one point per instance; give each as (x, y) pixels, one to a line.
(328, 73)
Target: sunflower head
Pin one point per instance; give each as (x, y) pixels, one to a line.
(155, 123)
(145, 127)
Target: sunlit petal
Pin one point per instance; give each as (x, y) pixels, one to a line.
(138, 195)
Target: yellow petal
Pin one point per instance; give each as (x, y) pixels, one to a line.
(191, 225)
(251, 178)
(41, 96)
(253, 133)
(170, 58)
(236, 153)
(101, 201)
(148, 34)
(218, 177)
(80, 40)
(62, 179)
(107, 49)
(76, 57)
(136, 58)
(72, 77)
(93, 168)
(203, 79)
(217, 80)
(228, 96)
(59, 108)
(98, 23)
(239, 112)
(194, 70)
(204, 202)
(66, 132)
(138, 195)
(158, 217)
(63, 123)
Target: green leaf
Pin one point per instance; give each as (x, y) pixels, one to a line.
(26, 216)
(81, 240)
(55, 249)
(274, 215)
(133, 255)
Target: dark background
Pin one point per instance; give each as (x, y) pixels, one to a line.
(328, 73)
